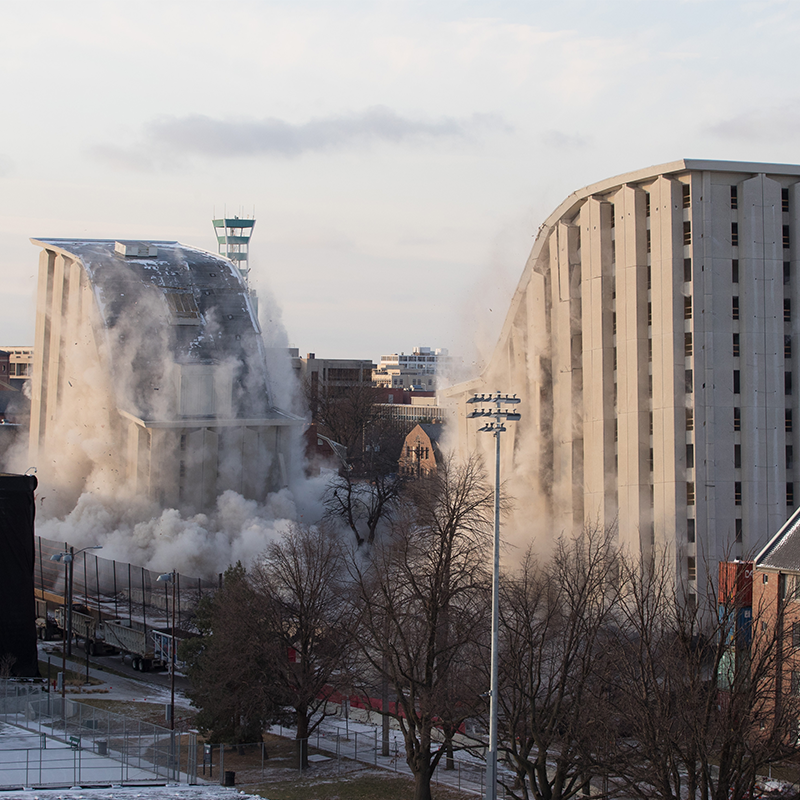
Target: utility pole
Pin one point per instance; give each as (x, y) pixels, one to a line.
(495, 416)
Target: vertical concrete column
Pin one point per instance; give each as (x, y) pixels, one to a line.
(55, 311)
(762, 363)
(41, 354)
(633, 400)
(600, 477)
(669, 388)
(565, 290)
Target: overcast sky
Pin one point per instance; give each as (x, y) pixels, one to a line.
(399, 156)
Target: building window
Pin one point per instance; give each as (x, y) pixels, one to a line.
(614, 359)
(689, 420)
(651, 423)
(690, 530)
(734, 234)
(737, 418)
(647, 239)
(689, 456)
(787, 383)
(649, 313)
(735, 307)
(736, 345)
(786, 242)
(789, 457)
(738, 531)
(651, 459)
(789, 493)
(735, 270)
(785, 200)
(737, 493)
(687, 195)
(787, 272)
(613, 323)
(649, 386)
(690, 493)
(788, 420)
(795, 683)
(647, 204)
(650, 350)
(787, 346)
(687, 232)
(687, 270)
(737, 383)
(787, 309)
(734, 197)
(689, 382)
(687, 344)
(687, 307)
(796, 634)
(737, 456)
(691, 564)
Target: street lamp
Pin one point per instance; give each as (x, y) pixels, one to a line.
(170, 577)
(68, 557)
(494, 425)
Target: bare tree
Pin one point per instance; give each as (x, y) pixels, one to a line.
(553, 620)
(423, 594)
(695, 705)
(363, 505)
(300, 591)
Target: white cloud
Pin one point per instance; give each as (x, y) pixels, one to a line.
(201, 135)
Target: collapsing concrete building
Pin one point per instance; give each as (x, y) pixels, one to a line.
(150, 375)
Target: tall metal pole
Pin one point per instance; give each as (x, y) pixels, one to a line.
(495, 427)
(69, 601)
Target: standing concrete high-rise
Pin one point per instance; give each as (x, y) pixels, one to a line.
(654, 337)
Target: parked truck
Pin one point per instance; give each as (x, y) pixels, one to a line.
(134, 638)
(84, 626)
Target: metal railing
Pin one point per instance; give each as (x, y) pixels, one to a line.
(63, 742)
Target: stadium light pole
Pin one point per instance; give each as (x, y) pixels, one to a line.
(494, 415)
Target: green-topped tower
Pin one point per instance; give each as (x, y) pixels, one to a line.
(233, 242)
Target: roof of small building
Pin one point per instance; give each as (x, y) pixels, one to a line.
(783, 550)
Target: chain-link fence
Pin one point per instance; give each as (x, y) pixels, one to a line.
(47, 740)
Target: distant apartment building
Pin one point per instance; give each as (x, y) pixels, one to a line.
(417, 369)
(330, 374)
(20, 364)
(16, 367)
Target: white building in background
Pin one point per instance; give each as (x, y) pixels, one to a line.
(417, 369)
(150, 376)
(654, 340)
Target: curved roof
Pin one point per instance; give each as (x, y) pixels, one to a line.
(163, 301)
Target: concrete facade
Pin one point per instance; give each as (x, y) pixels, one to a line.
(149, 367)
(653, 339)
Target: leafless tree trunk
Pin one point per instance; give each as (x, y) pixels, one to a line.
(694, 700)
(553, 624)
(423, 596)
(301, 591)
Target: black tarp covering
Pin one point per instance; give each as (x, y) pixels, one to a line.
(17, 606)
